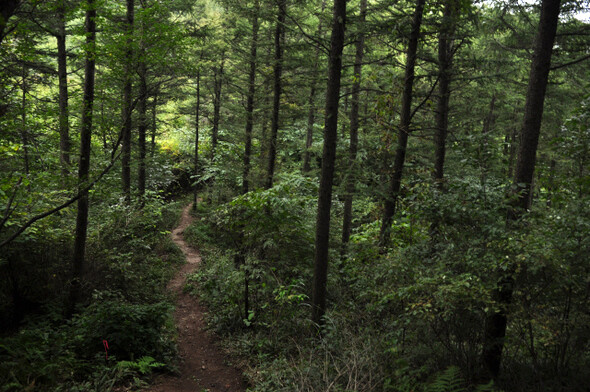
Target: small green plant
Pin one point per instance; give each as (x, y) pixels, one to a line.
(143, 365)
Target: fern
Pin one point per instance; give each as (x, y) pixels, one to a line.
(143, 365)
(489, 387)
(448, 381)
(451, 381)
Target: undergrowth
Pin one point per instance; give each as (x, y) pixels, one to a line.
(407, 319)
(125, 308)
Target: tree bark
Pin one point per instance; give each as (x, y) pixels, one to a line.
(217, 85)
(250, 99)
(154, 121)
(62, 71)
(495, 330)
(322, 234)
(354, 127)
(127, 110)
(445, 58)
(84, 162)
(196, 157)
(142, 129)
(24, 130)
(311, 100)
(278, 71)
(404, 127)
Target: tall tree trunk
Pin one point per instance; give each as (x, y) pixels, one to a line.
(354, 127)
(241, 256)
(495, 330)
(7, 9)
(322, 235)
(278, 71)
(404, 127)
(217, 85)
(24, 130)
(311, 99)
(445, 58)
(84, 162)
(196, 157)
(154, 121)
(250, 100)
(62, 71)
(142, 129)
(126, 157)
(484, 155)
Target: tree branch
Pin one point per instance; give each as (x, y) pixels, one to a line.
(570, 63)
(60, 207)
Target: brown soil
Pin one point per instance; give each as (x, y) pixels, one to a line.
(203, 366)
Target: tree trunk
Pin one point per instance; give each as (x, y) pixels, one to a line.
(196, 157)
(126, 157)
(217, 84)
(24, 130)
(84, 162)
(250, 100)
(154, 121)
(322, 234)
(445, 58)
(311, 100)
(495, 330)
(62, 71)
(142, 129)
(354, 127)
(484, 153)
(278, 71)
(404, 127)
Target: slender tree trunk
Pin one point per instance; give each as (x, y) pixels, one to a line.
(241, 257)
(322, 236)
(142, 129)
(346, 96)
(484, 155)
(62, 71)
(445, 59)
(84, 162)
(196, 158)
(404, 127)
(126, 157)
(495, 330)
(311, 99)
(511, 150)
(354, 127)
(250, 100)
(278, 71)
(217, 85)
(154, 121)
(24, 130)
(7, 9)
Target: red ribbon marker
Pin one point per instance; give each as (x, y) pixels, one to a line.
(106, 348)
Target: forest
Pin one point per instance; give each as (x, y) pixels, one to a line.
(385, 195)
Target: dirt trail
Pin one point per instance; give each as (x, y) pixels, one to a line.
(202, 364)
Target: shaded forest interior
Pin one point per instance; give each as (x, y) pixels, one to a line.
(389, 195)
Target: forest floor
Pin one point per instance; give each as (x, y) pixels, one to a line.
(203, 366)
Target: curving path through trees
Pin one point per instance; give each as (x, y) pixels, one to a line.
(202, 364)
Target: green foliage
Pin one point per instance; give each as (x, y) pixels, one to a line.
(143, 365)
(130, 309)
(273, 222)
(132, 330)
(450, 380)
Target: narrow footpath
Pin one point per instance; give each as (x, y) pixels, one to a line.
(203, 366)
